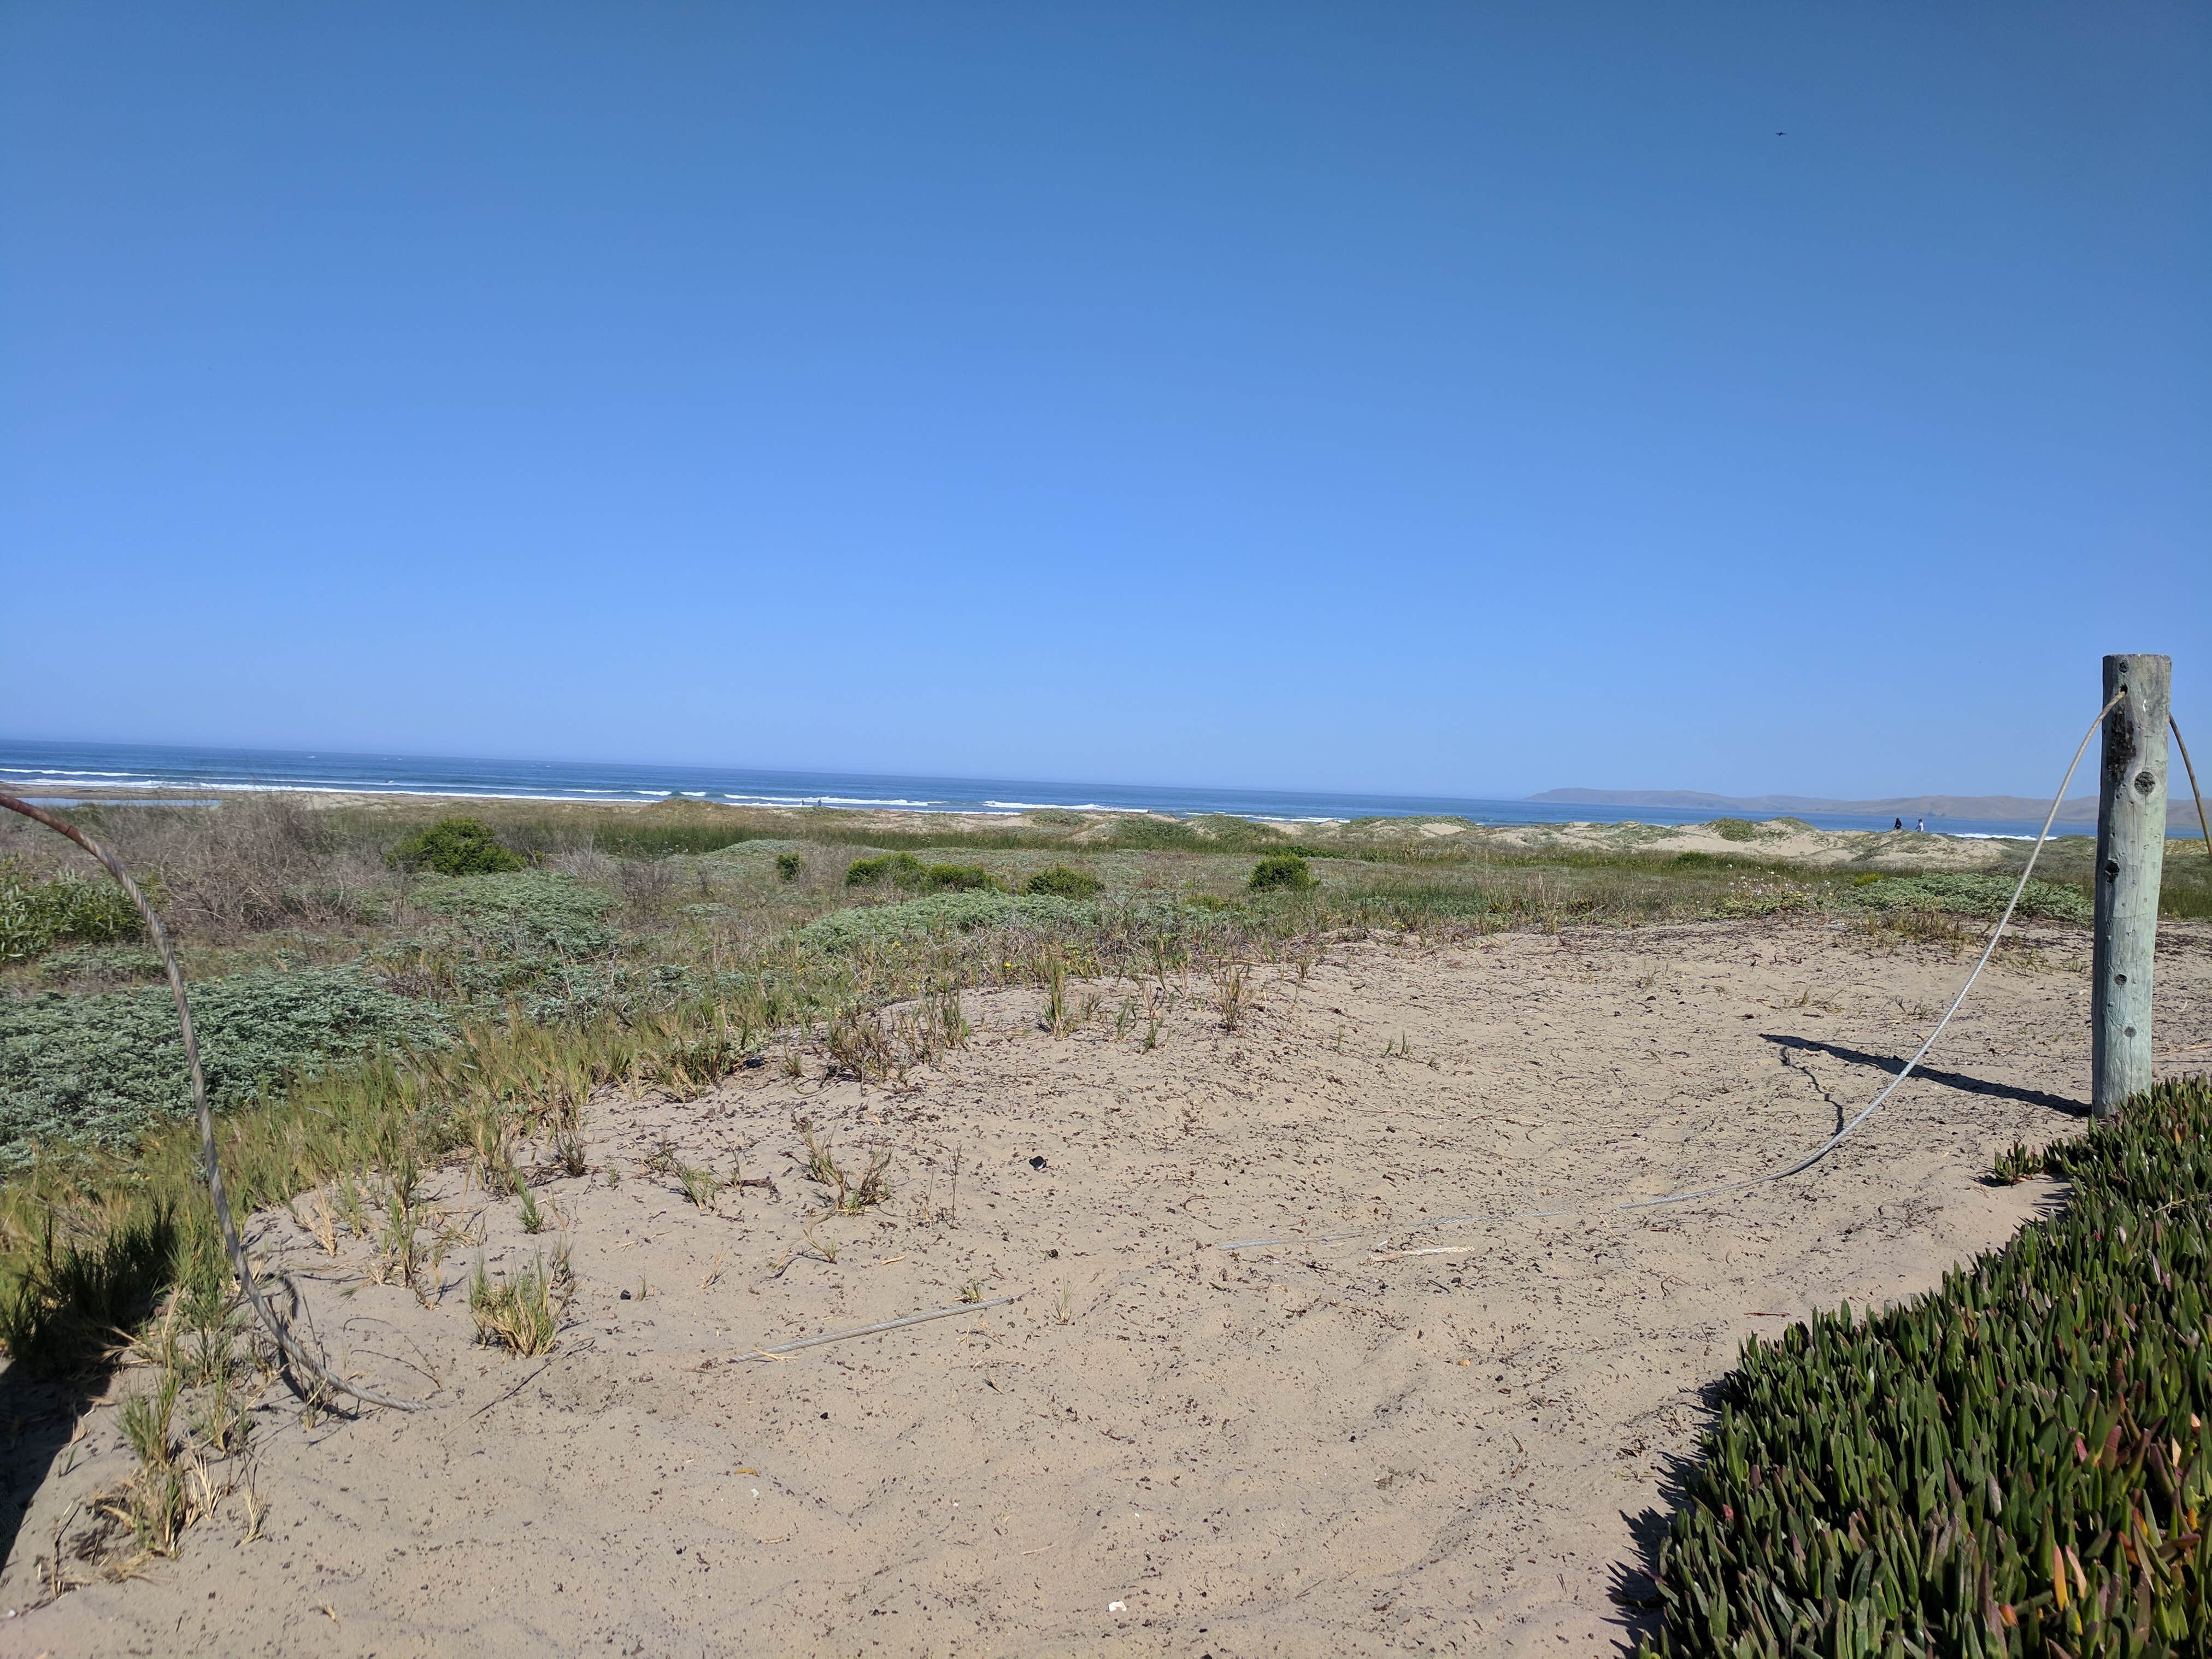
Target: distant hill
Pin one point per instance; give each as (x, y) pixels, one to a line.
(2008, 807)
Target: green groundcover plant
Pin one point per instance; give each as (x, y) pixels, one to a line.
(102, 1068)
(940, 915)
(1966, 893)
(527, 910)
(2014, 1464)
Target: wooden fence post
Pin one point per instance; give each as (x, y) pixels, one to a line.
(2130, 854)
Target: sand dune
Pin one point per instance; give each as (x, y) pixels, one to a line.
(1162, 1446)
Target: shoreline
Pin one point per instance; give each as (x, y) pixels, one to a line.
(1000, 815)
(111, 772)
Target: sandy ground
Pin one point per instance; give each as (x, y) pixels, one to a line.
(1162, 1446)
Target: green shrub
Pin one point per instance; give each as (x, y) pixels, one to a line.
(958, 878)
(455, 847)
(910, 875)
(1699, 862)
(1966, 893)
(526, 910)
(101, 1068)
(788, 864)
(1281, 873)
(37, 915)
(1060, 882)
(940, 914)
(2014, 1464)
(1735, 828)
(902, 870)
(659, 841)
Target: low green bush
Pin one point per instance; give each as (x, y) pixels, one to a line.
(659, 841)
(527, 910)
(910, 875)
(958, 878)
(1699, 862)
(37, 915)
(1735, 828)
(455, 847)
(101, 1068)
(788, 864)
(1283, 872)
(2014, 1464)
(940, 914)
(1060, 882)
(901, 870)
(1966, 893)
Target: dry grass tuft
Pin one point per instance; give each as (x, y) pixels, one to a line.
(522, 1312)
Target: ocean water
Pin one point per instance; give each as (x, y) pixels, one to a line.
(53, 772)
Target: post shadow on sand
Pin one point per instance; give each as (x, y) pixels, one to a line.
(1893, 1064)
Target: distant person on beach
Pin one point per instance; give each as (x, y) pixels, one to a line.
(1920, 826)
(1897, 823)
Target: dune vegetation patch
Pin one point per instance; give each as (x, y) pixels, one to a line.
(940, 914)
(2017, 1463)
(102, 1068)
(1281, 873)
(1966, 893)
(529, 909)
(1058, 881)
(910, 875)
(36, 915)
(455, 847)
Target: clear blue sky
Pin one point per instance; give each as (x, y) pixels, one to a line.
(1457, 398)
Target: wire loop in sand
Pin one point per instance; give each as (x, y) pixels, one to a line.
(783, 1348)
(1826, 1147)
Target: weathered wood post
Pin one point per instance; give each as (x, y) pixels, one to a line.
(2130, 854)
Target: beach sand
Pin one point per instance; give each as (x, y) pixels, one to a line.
(1345, 1448)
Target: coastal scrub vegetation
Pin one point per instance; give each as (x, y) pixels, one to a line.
(455, 847)
(1280, 872)
(365, 1014)
(2019, 1462)
(37, 915)
(910, 875)
(1058, 881)
(101, 1069)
